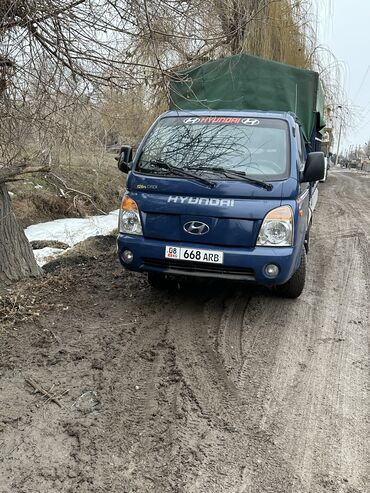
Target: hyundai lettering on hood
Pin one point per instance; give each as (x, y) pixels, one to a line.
(178, 199)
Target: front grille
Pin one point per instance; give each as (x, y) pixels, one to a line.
(178, 267)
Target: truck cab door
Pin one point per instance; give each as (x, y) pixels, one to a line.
(304, 194)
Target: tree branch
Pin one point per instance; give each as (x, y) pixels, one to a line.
(8, 173)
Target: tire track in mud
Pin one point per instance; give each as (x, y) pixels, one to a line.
(115, 451)
(198, 359)
(352, 326)
(238, 453)
(214, 398)
(313, 397)
(230, 331)
(311, 415)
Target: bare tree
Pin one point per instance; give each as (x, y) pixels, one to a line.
(52, 54)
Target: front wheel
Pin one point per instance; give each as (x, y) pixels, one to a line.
(294, 287)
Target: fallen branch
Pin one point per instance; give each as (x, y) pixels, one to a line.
(8, 173)
(69, 189)
(58, 397)
(42, 391)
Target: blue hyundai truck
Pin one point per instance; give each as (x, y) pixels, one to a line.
(224, 184)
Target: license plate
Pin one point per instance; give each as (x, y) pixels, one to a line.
(195, 255)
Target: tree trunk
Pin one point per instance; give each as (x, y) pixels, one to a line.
(16, 257)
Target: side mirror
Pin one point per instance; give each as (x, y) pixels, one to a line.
(315, 167)
(124, 159)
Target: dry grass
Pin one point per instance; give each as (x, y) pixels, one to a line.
(85, 188)
(18, 306)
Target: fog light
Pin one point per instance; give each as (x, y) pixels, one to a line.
(127, 256)
(271, 271)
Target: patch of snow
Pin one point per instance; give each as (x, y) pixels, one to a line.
(73, 230)
(45, 255)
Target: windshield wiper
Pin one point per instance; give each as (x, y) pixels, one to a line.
(180, 172)
(236, 174)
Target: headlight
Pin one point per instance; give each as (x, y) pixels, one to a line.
(277, 228)
(129, 217)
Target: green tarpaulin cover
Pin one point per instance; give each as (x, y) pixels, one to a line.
(245, 82)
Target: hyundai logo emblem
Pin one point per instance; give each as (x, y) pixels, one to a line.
(250, 121)
(196, 228)
(192, 119)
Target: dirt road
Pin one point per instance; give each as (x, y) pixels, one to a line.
(215, 389)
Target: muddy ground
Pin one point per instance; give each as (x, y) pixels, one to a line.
(212, 389)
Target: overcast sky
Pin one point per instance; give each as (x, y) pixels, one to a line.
(345, 29)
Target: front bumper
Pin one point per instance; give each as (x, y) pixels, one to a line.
(244, 264)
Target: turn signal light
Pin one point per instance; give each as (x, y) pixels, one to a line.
(129, 204)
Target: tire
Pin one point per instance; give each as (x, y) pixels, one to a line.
(294, 287)
(307, 240)
(158, 280)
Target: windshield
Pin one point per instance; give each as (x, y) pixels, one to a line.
(257, 147)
